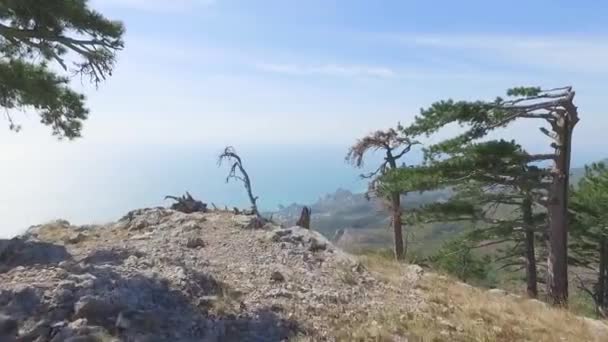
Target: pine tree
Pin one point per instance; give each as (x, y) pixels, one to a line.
(35, 34)
(589, 204)
(487, 178)
(555, 107)
(394, 145)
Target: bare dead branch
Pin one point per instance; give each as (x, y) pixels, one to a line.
(187, 204)
(230, 155)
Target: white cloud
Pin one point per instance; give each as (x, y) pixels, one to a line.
(339, 70)
(380, 72)
(564, 53)
(154, 5)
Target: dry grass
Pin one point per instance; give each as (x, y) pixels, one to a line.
(457, 312)
(469, 314)
(383, 267)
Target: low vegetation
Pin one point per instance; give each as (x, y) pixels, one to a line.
(460, 312)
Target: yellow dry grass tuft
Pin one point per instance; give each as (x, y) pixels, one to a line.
(458, 312)
(462, 313)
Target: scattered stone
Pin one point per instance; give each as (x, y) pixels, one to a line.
(279, 293)
(358, 268)
(85, 338)
(277, 276)
(138, 321)
(413, 273)
(95, 310)
(498, 292)
(256, 223)
(277, 235)
(316, 245)
(158, 284)
(195, 243)
(8, 326)
(76, 238)
(444, 322)
(207, 301)
(465, 285)
(537, 302)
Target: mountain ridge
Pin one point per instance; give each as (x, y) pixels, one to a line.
(161, 275)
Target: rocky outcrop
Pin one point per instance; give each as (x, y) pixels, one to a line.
(162, 275)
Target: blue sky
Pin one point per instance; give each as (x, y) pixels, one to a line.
(291, 84)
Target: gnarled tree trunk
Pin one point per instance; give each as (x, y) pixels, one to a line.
(557, 261)
(531, 273)
(304, 220)
(395, 145)
(397, 226)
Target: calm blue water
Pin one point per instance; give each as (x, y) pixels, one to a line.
(97, 184)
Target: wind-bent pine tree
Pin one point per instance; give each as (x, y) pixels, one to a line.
(35, 34)
(589, 204)
(556, 108)
(394, 145)
(487, 178)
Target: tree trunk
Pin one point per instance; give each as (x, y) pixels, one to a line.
(252, 199)
(601, 279)
(557, 261)
(531, 275)
(397, 226)
(304, 220)
(400, 249)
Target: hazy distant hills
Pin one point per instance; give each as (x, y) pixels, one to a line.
(345, 209)
(577, 173)
(361, 223)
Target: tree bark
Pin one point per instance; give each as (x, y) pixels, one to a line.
(602, 290)
(531, 274)
(304, 220)
(400, 249)
(557, 261)
(397, 226)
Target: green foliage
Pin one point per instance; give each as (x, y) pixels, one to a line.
(496, 161)
(25, 84)
(582, 304)
(457, 258)
(34, 34)
(496, 182)
(524, 91)
(589, 202)
(589, 213)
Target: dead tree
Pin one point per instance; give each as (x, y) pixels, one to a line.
(230, 155)
(304, 220)
(187, 204)
(394, 145)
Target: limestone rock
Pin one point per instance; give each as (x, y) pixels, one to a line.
(76, 238)
(497, 292)
(161, 275)
(95, 310)
(412, 274)
(277, 276)
(195, 243)
(138, 321)
(8, 326)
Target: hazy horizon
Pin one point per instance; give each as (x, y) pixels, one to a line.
(105, 187)
(291, 86)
